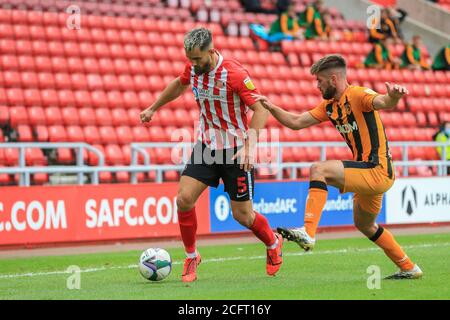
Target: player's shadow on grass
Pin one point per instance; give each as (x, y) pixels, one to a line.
(159, 283)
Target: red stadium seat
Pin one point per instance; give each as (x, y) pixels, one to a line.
(124, 135)
(63, 81)
(83, 98)
(7, 46)
(87, 50)
(156, 134)
(17, 116)
(36, 116)
(75, 64)
(141, 134)
(75, 134)
(94, 82)
(49, 97)
(26, 63)
(4, 115)
(15, 97)
(171, 175)
(108, 135)
(66, 98)
(70, 116)
(103, 117)
(126, 82)
(119, 117)
(65, 156)
(116, 51)
(113, 155)
(115, 99)
(71, 49)
(136, 67)
(57, 133)
(11, 156)
(25, 133)
(37, 31)
(35, 156)
(110, 82)
(55, 48)
(130, 99)
(41, 133)
(133, 117)
(8, 62)
(140, 82)
(91, 134)
(11, 79)
(6, 31)
(46, 80)
(78, 81)
(121, 66)
(93, 159)
(43, 64)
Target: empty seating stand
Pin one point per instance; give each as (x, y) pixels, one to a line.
(89, 85)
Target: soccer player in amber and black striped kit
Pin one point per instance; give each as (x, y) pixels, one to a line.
(222, 89)
(353, 111)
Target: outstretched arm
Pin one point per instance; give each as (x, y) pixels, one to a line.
(288, 119)
(390, 100)
(173, 90)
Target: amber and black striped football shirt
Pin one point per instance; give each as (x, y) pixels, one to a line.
(359, 124)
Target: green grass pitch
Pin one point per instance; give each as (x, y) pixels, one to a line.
(337, 269)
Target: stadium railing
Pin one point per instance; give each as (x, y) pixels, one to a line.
(273, 161)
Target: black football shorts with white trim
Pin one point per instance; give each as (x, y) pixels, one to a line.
(209, 166)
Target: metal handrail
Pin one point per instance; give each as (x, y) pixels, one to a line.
(79, 146)
(140, 148)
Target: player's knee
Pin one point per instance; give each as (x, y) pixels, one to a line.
(316, 171)
(365, 228)
(184, 201)
(243, 218)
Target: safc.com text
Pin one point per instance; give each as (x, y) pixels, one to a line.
(52, 215)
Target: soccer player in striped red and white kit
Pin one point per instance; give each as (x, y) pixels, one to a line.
(226, 146)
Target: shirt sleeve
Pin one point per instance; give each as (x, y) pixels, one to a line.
(366, 97)
(319, 112)
(185, 77)
(243, 85)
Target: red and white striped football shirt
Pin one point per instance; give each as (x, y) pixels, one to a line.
(223, 96)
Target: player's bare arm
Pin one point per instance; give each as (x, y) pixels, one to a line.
(390, 100)
(173, 90)
(258, 122)
(288, 119)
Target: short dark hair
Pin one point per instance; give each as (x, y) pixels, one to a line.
(199, 37)
(328, 62)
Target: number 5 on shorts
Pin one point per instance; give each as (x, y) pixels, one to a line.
(242, 186)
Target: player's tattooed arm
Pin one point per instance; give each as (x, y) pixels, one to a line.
(390, 100)
(173, 90)
(288, 119)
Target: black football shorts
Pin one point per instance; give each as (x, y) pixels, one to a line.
(209, 166)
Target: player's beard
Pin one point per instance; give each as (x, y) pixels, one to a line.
(330, 92)
(201, 70)
(204, 69)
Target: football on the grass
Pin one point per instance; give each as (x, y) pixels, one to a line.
(155, 264)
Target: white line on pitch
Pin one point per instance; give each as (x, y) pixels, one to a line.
(132, 266)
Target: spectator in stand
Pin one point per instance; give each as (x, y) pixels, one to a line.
(412, 57)
(380, 57)
(287, 23)
(397, 16)
(443, 135)
(268, 6)
(306, 18)
(442, 59)
(386, 29)
(320, 28)
(255, 6)
(286, 27)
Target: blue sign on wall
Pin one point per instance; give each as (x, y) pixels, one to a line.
(283, 204)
